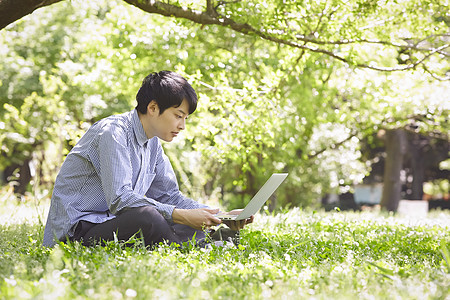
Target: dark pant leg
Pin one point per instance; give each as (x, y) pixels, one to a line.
(186, 233)
(146, 219)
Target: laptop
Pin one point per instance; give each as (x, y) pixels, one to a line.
(258, 200)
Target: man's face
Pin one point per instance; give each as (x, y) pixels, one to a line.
(169, 124)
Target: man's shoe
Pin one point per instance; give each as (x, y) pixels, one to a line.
(225, 234)
(209, 244)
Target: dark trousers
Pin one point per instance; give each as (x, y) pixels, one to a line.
(145, 221)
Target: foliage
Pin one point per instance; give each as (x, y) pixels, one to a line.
(263, 106)
(295, 253)
(347, 32)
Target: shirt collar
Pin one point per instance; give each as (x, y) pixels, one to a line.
(139, 132)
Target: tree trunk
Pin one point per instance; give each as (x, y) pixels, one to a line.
(25, 177)
(418, 167)
(24, 172)
(395, 149)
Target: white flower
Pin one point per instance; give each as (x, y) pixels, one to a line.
(130, 293)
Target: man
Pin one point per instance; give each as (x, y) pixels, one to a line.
(117, 179)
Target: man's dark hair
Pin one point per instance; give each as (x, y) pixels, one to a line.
(168, 89)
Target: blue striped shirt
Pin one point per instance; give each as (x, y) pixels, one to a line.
(113, 167)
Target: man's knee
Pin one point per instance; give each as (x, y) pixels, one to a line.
(151, 224)
(145, 216)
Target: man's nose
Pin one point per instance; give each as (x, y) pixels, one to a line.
(182, 124)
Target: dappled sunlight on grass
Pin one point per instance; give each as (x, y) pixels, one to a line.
(297, 253)
(29, 209)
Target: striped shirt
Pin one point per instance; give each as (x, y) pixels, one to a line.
(113, 167)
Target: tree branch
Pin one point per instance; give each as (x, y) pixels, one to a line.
(366, 41)
(13, 10)
(435, 76)
(207, 18)
(204, 18)
(315, 154)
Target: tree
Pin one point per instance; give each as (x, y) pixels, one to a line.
(343, 32)
(395, 150)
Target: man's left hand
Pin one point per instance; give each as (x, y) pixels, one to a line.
(237, 225)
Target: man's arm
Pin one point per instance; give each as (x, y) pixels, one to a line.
(204, 218)
(196, 218)
(187, 211)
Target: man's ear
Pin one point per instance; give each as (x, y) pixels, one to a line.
(153, 108)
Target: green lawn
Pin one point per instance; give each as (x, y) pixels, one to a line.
(292, 255)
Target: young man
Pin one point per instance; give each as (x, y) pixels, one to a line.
(117, 179)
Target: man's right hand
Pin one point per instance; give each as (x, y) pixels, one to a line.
(199, 218)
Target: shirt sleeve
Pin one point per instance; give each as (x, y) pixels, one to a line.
(165, 187)
(115, 172)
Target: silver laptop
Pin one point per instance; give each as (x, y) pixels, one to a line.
(258, 200)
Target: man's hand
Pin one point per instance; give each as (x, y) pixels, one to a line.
(237, 225)
(199, 218)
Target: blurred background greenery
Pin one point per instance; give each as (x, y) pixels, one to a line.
(316, 103)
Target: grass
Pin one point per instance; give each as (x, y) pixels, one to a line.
(301, 254)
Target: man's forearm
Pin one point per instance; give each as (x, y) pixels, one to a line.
(196, 218)
(178, 216)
